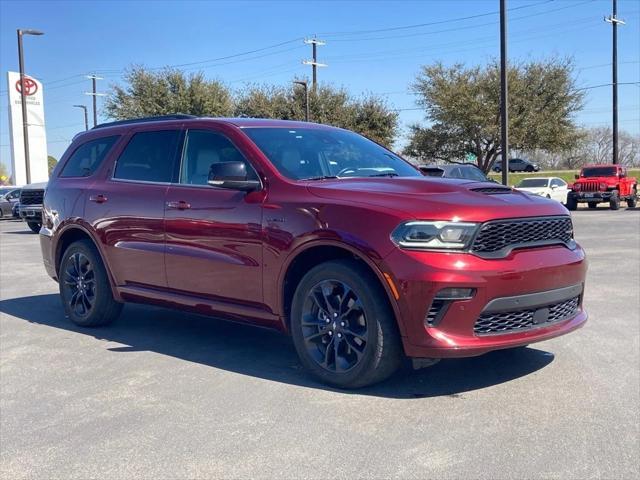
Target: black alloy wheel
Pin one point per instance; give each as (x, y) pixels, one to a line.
(334, 326)
(79, 282)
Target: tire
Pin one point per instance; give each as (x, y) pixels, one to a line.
(548, 196)
(572, 203)
(528, 168)
(34, 226)
(593, 205)
(1, 213)
(614, 201)
(632, 201)
(84, 286)
(369, 349)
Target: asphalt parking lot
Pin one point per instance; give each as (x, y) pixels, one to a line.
(162, 394)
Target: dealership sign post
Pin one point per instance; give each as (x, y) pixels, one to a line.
(37, 136)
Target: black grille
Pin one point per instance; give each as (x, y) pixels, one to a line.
(506, 322)
(492, 190)
(501, 236)
(31, 197)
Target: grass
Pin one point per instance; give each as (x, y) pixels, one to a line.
(566, 175)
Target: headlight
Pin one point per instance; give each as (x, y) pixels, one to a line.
(434, 235)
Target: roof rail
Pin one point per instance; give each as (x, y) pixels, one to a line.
(177, 116)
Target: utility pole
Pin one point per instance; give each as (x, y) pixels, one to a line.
(305, 85)
(23, 100)
(504, 94)
(86, 119)
(314, 42)
(614, 21)
(94, 94)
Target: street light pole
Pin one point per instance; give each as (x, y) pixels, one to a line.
(23, 100)
(614, 21)
(306, 97)
(86, 118)
(504, 94)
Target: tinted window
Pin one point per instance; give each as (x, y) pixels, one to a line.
(472, 173)
(556, 182)
(306, 153)
(88, 157)
(204, 148)
(148, 157)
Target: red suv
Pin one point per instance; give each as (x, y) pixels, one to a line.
(308, 229)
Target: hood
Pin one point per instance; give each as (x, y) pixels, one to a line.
(35, 186)
(437, 199)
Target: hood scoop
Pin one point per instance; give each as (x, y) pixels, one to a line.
(492, 190)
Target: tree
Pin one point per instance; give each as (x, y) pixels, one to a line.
(51, 163)
(4, 174)
(369, 115)
(165, 92)
(463, 107)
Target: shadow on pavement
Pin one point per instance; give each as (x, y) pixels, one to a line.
(268, 354)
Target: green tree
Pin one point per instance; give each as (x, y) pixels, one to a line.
(51, 163)
(4, 174)
(462, 106)
(369, 116)
(167, 91)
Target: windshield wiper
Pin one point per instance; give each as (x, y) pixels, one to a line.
(385, 174)
(322, 177)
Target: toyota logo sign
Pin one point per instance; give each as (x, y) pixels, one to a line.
(30, 86)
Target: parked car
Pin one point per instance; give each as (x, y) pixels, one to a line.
(518, 165)
(467, 171)
(603, 183)
(31, 205)
(9, 196)
(549, 187)
(308, 229)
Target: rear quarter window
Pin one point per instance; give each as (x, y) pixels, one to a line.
(88, 157)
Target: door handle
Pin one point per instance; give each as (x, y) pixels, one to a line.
(98, 198)
(179, 205)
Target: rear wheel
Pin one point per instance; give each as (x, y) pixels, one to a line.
(593, 205)
(85, 288)
(572, 203)
(34, 226)
(342, 326)
(614, 201)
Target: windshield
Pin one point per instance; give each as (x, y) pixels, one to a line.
(533, 182)
(305, 153)
(599, 172)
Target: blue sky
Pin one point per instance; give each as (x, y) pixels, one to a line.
(372, 46)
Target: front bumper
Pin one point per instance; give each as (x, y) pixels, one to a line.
(591, 196)
(541, 271)
(31, 213)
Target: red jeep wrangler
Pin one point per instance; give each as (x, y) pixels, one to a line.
(603, 183)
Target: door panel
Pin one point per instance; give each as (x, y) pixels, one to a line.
(214, 247)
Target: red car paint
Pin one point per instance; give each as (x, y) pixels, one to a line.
(228, 254)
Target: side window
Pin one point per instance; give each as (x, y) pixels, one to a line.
(14, 194)
(148, 157)
(88, 157)
(202, 149)
(556, 182)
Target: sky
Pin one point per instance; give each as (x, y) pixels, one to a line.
(371, 47)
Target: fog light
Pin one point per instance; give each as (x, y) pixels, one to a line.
(455, 293)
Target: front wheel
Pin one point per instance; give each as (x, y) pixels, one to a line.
(614, 201)
(572, 203)
(343, 327)
(84, 286)
(35, 226)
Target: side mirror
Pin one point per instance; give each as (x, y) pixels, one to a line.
(576, 176)
(553, 187)
(232, 175)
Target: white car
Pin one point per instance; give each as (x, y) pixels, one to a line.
(550, 187)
